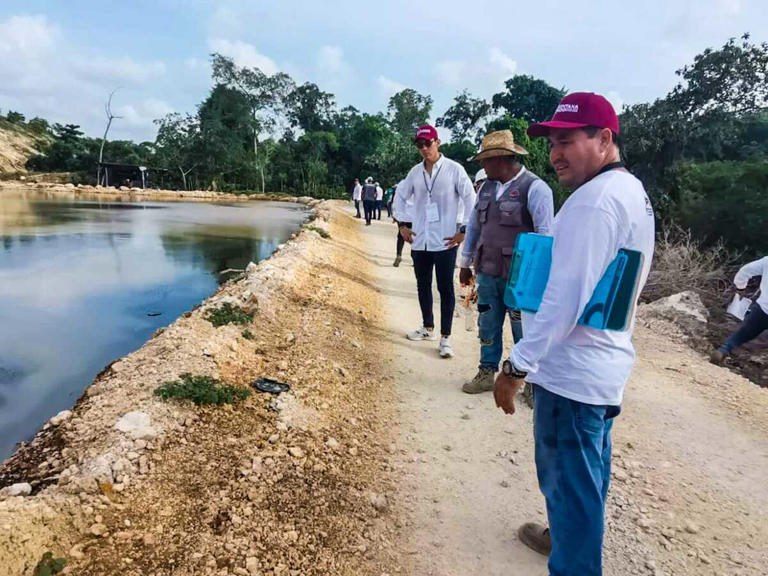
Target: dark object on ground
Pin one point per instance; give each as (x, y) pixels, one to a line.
(717, 357)
(153, 314)
(201, 390)
(536, 537)
(270, 386)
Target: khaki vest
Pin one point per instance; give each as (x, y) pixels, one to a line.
(500, 223)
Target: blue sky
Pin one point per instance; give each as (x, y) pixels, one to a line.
(60, 60)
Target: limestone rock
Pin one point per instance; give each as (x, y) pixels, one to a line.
(19, 489)
(61, 417)
(137, 425)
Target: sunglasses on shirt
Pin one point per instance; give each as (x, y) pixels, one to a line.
(423, 143)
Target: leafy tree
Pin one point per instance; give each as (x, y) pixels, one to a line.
(464, 116)
(178, 138)
(39, 125)
(309, 108)
(407, 110)
(461, 151)
(528, 98)
(15, 117)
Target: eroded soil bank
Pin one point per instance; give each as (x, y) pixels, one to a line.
(291, 485)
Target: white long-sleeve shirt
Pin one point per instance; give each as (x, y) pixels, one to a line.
(756, 268)
(402, 210)
(357, 193)
(540, 205)
(610, 212)
(379, 193)
(444, 187)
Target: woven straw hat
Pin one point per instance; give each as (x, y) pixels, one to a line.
(501, 143)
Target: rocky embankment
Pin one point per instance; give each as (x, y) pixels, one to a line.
(124, 194)
(126, 483)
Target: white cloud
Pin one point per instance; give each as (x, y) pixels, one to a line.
(483, 76)
(502, 63)
(389, 87)
(243, 54)
(452, 73)
(616, 100)
(43, 76)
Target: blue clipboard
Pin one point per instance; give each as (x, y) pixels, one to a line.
(612, 302)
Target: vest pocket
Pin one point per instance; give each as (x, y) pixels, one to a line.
(482, 210)
(511, 214)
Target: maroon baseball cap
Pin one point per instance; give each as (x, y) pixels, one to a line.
(579, 110)
(425, 132)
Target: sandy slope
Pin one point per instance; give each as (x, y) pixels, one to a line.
(691, 459)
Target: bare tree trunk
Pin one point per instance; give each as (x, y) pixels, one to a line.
(110, 117)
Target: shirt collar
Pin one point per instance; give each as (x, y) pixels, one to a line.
(435, 167)
(508, 183)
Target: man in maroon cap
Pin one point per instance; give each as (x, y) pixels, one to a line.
(578, 373)
(436, 186)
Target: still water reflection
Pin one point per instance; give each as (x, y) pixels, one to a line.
(83, 283)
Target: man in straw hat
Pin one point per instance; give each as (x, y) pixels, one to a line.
(512, 200)
(437, 186)
(578, 373)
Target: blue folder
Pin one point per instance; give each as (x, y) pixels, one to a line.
(612, 302)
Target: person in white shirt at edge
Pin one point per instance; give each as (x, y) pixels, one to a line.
(436, 185)
(480, 179)
(578, 373)
(401, 215)
(357, 195)
(756, 320)
(512, 201)
(379, 198)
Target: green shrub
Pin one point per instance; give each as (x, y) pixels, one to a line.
(248, 335)
(323, 233)
(228, 314)
(202, 390)
(48, 565)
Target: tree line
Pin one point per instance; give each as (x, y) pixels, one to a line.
(701, 150)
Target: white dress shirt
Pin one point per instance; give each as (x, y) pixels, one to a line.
(756, 268)
(609, 212)
(357, 193)
(444, 187)
(379, 193)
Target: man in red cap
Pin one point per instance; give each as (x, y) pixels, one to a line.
(578, 373)
(435, 186)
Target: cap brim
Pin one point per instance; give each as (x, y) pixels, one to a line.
(543, 128)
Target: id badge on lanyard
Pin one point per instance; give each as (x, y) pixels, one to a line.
(433, 214)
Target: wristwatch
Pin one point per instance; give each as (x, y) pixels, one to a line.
(462, 229)
(509, 370)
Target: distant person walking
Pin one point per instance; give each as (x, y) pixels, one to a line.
(389, 194)
(436, 185)
(480, 179)
(511, 201)
(756, 320)
(402, 213)
(379, 199)
(357, 194)
(578, 373)
(369, 200)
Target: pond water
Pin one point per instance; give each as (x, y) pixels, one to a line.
(83, 283)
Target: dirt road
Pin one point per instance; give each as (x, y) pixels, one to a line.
(689, 493)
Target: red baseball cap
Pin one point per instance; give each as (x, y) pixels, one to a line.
(579, 110)
(425, 132)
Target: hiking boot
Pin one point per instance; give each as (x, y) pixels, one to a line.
(397, 261)
(446, 350)
(718, 357)
(536, 537)
(482, 382)
(422, 334)
(528, 394)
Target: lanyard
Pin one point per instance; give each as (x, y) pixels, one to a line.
(427, 186)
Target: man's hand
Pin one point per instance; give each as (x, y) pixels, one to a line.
(407, 234)
(465, 275)
(504, 392)
(454, 240)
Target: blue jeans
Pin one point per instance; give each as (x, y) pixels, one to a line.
(573, 464)
(490, 321)
(753, 325)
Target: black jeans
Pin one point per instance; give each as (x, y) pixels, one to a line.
(389, 209)
(357, 207)
(400, 241)
(753, 325)
(378, 209)
(444, 264)
(369, 206)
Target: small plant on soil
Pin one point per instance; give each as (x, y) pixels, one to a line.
(202, 390)
(227, 314)
(323, 233)
(48, 565)
(247, 334)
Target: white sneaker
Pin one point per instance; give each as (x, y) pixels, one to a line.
(446, 351)
(422, 334)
